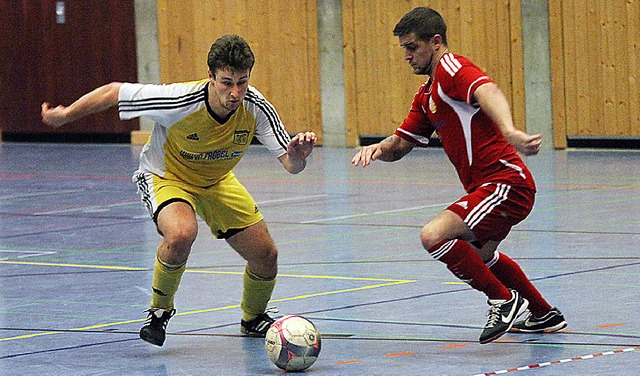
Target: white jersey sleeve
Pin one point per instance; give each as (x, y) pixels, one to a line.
(164, 104)
(269, 128)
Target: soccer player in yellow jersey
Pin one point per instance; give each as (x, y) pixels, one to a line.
(202, 130)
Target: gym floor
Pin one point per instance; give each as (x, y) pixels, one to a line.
(77, 250)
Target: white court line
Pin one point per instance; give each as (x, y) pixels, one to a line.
(27, 253)
(376, 213)
(36, 194)
(291, 199)
(94, 207)
(86, 208)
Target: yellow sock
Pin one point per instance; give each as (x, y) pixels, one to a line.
(256, 295)
(166, 279)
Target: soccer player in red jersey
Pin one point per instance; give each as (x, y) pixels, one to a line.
(473, 121)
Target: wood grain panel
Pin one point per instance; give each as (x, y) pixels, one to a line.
(632, 54)
(282, 35)
(594, 55)
(558, 82)
(379, 83)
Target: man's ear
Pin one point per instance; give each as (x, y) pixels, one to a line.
(437, 40)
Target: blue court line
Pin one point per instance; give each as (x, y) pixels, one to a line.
(124, 221)
(66, 348)
(585, 271)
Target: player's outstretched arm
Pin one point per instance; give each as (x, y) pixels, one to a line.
(298, 149)
(95, 101)
(495, 105)
(390, 149)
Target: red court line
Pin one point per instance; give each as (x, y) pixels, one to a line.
(6, 176)
(539, 365)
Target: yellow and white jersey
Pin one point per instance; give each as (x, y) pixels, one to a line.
(189, 142)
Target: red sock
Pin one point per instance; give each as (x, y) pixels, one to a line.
(467, 265)
(512, 276)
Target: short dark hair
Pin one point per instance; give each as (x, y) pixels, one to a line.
(230, 52)
(423, 22)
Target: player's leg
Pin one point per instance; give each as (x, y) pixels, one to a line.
(178, 226)
(471, 219)
(447, 238)
(171, 207)
(515, 207)
(233, 215)
(543, 317)
(255, 245)
(512, 276)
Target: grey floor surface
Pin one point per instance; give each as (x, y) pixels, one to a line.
(77, 248)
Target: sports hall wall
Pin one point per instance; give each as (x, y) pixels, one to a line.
(378, 84)
(594, 58)
(595, 71)
(282, 34)
(569, 67)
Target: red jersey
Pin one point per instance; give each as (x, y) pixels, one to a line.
(473, 142)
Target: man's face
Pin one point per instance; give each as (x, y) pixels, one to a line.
(418, 53)
(228, 88)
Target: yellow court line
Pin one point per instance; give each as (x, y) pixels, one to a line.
(109, 267)
(387, 282)
(129, 268)
(308, 276)
(28, 336)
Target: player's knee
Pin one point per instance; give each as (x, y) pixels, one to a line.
(429, 238)
(181, 238)
(270, 256)
(264, 262)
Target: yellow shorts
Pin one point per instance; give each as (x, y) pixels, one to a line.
(226, 207)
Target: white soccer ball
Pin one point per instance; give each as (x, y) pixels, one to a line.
(292, 343)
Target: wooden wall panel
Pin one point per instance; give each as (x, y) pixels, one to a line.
(379, 83)
(594, 58)
(282, 35)
(595, 47)
(558, 83)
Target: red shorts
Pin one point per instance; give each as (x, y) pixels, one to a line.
(491, 210)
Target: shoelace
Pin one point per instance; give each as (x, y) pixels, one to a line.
(272, 310)
(265, 320)
(152, 313)
(494, 315)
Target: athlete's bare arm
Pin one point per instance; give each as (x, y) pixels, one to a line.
(493, 102)
(95, 101)
(390, 149)
(298, 149)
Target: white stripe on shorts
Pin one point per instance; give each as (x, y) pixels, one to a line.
(487, 205)
(144, 182)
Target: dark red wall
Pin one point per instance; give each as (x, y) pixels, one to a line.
(42, 60)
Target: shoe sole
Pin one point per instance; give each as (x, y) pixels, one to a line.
(252, 334)
(523, 308)
(151, 341)
(551, 329)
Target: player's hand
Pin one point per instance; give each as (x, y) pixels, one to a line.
(525, 143)
(366, 155)
(301, 145)
(53, 116)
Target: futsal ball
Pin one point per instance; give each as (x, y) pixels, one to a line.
(292, 343)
